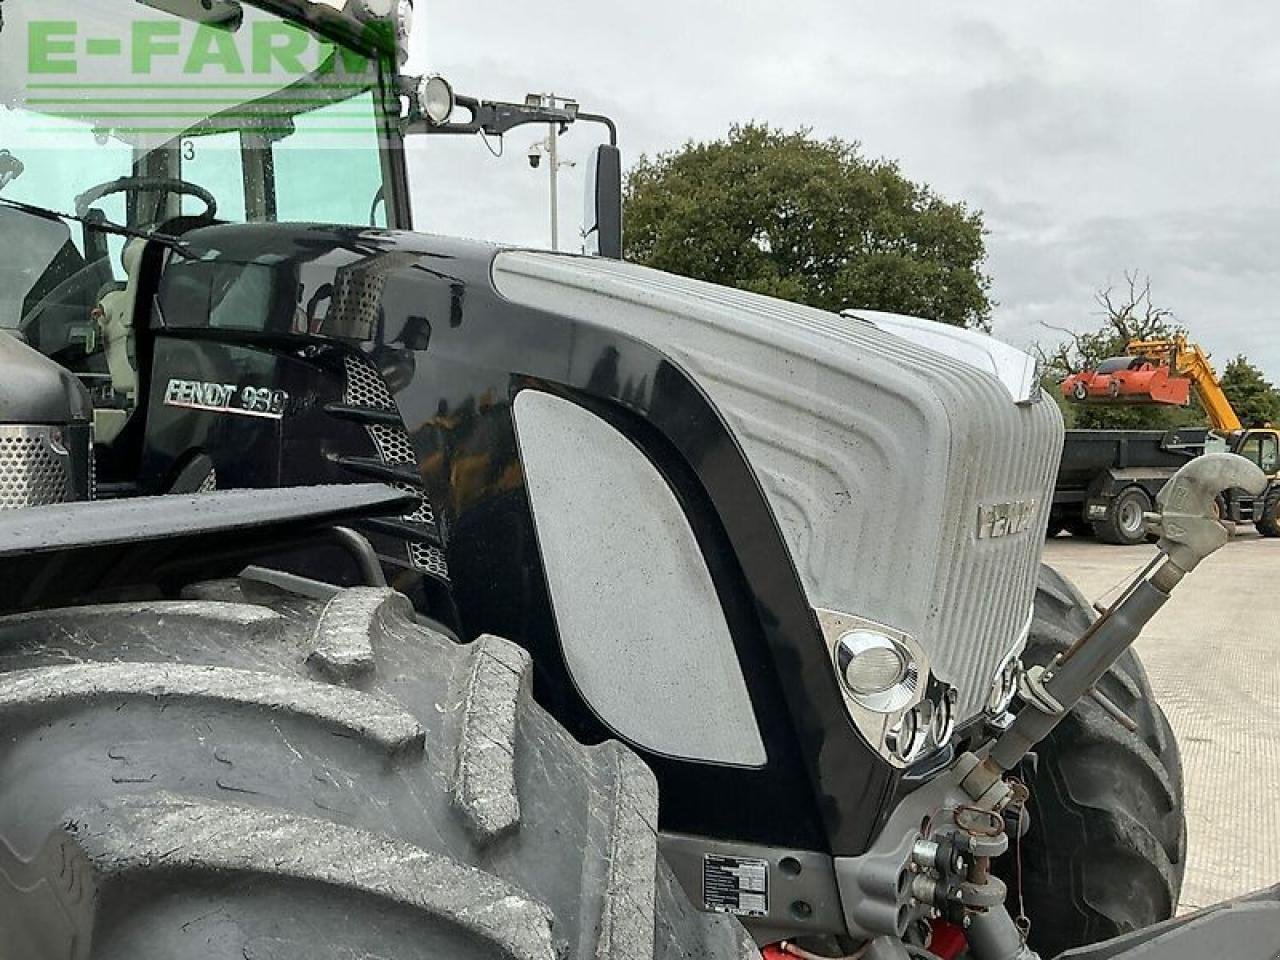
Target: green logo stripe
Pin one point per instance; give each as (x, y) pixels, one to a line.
(88, 102)
(214, 130)
(265, 87)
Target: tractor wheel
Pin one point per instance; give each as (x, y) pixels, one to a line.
(1268, 523)
(1080, 391)
(1105, 852)
(254, 774)
(1124, 524)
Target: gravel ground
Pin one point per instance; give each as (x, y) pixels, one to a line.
(1213, 654)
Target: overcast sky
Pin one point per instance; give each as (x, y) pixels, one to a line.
(1096, 136)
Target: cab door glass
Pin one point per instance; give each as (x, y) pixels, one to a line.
(1251, 449)
(1269, 458)
(214, 162)
(327, 172)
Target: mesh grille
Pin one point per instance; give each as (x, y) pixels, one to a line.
(356, 298)
(33, 468)
(393, 443)
(430, 560)
(357, 294)
(366, 388)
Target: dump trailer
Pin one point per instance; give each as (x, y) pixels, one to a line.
(1108, 480)
(417, 598)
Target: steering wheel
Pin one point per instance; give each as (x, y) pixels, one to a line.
(161, 185)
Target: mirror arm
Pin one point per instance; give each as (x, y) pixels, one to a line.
(601, 118)
(490, 118)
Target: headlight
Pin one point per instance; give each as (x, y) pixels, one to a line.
(904, 737)
(1005, 682)
(877, 670)
(883, 676)
(435, 99)
(943, 723)
(1004, 686)
(925, 728)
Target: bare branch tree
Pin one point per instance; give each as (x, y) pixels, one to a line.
(1135, 317)
(1128, 313)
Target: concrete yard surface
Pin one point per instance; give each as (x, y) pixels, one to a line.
(1213, 655)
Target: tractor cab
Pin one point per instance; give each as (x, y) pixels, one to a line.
(138, 120)
(131, 125)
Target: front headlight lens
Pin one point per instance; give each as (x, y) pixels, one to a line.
(944, 719)
(903, 738)
(436, 100)
(876, 669)
(883, 676)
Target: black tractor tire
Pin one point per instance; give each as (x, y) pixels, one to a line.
(1123, 524)
(250, 774)
(1106, 848)
(1268, 523)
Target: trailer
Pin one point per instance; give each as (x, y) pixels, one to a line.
(1109, 479)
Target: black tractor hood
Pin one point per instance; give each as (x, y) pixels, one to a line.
(35, 390)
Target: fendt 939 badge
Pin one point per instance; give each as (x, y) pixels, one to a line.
(227, 398)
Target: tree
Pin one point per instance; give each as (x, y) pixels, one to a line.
(808, 220)
(1255, 399)
(1128, 314)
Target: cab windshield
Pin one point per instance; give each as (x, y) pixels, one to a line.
(197, 99)
(166, 115)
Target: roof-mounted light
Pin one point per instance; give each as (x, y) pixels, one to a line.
(436, 100)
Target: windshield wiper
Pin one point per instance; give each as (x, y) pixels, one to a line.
(106, 226)
(226, 14)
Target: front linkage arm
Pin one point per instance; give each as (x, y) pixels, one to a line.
(1189, 531)
(945, 867)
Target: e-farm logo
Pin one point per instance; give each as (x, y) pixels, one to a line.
(161, 77)
(152, 47)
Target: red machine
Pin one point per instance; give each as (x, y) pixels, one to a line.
(1128, 380)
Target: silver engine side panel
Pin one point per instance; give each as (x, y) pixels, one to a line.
(877, 455)
(643, 633)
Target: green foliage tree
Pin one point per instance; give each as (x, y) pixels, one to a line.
(1128, 314)
(808, 220)
(1255, 399)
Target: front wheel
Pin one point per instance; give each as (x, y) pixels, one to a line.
(1106, 850)
(1268, 523)
(251, 774)
(1124, 523)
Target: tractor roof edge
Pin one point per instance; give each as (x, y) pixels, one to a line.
(380, 24)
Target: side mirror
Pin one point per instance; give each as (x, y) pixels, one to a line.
(603, 221)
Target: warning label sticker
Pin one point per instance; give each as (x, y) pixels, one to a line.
(735, 885)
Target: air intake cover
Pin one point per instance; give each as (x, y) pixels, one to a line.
(46, 433)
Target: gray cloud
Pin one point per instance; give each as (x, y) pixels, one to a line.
(1096, 136)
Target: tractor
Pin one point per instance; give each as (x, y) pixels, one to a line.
(371, 594)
